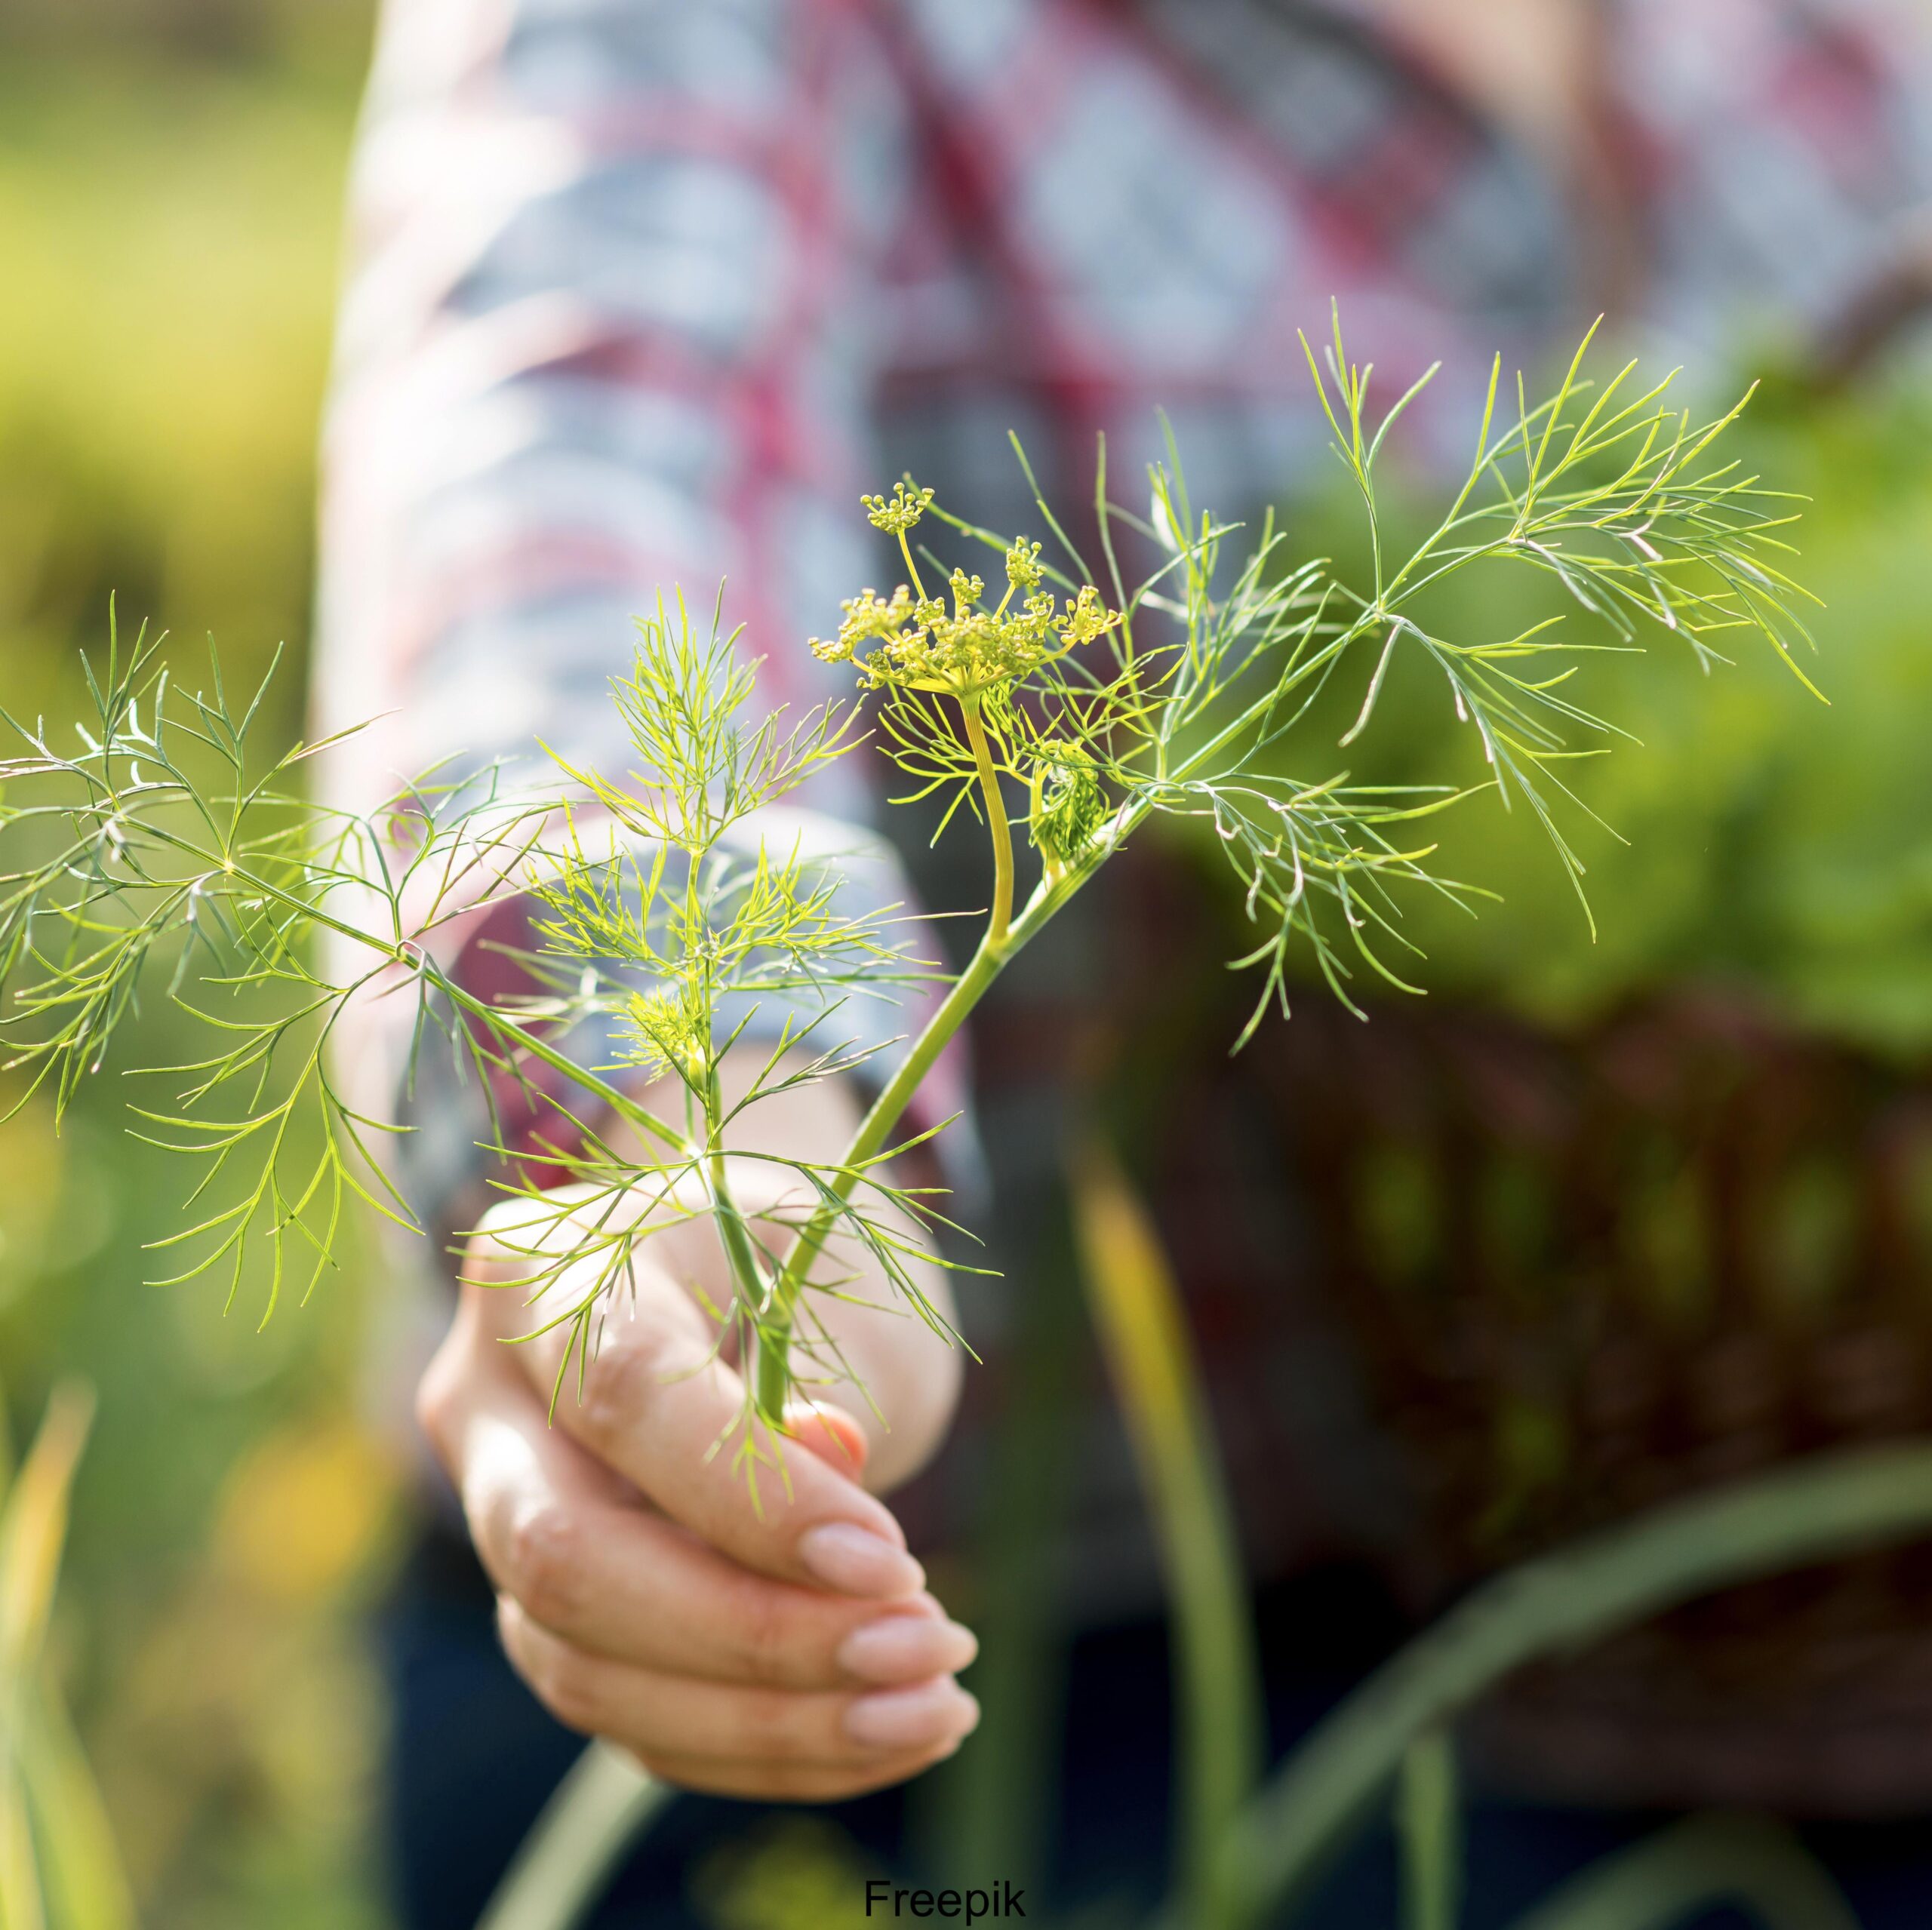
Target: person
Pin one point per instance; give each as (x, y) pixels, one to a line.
(643, 294)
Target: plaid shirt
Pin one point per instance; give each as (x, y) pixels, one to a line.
(646, 292)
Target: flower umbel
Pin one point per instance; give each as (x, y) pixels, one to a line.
(919, 644)
(908, 503)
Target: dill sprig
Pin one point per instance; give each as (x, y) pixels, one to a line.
(1071, 706)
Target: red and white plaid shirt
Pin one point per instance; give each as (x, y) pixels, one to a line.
(646, 292)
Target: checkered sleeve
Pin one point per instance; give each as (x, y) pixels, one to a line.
(1787, 147)
(606, 329)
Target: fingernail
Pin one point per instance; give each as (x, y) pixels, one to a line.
(935, 1712)
(906, 1649)
(857, 1562)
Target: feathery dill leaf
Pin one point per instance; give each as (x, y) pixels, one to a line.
(165, 849)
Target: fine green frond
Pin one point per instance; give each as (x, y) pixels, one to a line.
(165, 853)
(702, 766)
(670, 921)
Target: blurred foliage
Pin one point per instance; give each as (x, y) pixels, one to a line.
(794, 1872)
(259, 31)
(1770, 842)
(59, 1869)
(170, 178)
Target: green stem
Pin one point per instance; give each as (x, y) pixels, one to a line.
(1711, 1859)
(566, 1861)
(1818, 1510)
(1000, 831)
(875, 1129)
(867, 1143)
(1004, 936)
(740, 1254)
(1151, 1361)
(1429, 1834)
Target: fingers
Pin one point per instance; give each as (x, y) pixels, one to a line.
(654, 1403)
(627, 1625)
(732, 1731)
(621, 1582)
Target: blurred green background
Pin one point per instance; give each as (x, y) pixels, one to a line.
(170, 182)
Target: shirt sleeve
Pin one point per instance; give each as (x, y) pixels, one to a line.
(607, 328)
(1789, 146)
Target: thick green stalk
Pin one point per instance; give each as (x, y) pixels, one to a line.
(1818, 1510)
(1151, 1361)
(563, 1865)
(868, 1142)
(997, 828)
(1429, 1834)
(874, 1131)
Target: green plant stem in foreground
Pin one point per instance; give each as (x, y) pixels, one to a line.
(573, 1847)
(59, 1864)
(1702, 1861)
(1137, 1310)
(876, 1130)
(1817, 1510)
(1428, 1832)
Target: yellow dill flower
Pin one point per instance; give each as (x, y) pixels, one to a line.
(869, 618)
(917, 644)
(895, 517)
(1087, 617)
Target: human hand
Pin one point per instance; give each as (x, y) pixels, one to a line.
(781, 1648)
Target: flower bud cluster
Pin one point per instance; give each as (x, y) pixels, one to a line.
(898, 514)
(918, 643)
(667, 1031)
(1069, 800)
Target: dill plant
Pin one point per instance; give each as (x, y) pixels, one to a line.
(1063, 709)
(1060, 704)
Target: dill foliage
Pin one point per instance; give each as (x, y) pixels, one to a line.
(1064, 702)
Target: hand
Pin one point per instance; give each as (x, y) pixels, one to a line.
(789, 1653)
